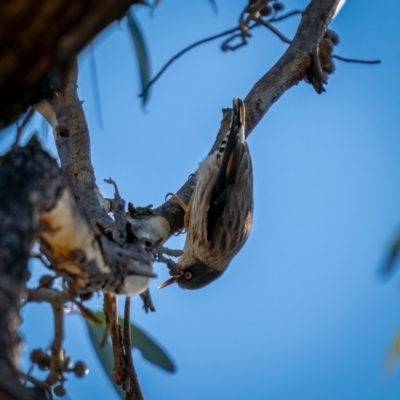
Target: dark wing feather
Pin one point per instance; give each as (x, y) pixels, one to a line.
(234, 165)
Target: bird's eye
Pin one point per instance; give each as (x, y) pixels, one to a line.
(188, 275)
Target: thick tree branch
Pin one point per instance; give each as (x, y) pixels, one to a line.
(79, 168)
(30, 67)
(293, 65)
(84, 241)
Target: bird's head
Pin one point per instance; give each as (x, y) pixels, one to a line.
(194, 276)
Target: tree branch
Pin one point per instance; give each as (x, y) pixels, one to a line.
(29, 76)
(84, 244)
(79, 169)
(209, 39)
(182, 52)
(133, 390)
(110, 311)
(290, 69)
(354, 60)
(277, 32)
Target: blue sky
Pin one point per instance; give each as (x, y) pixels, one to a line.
(302, 312)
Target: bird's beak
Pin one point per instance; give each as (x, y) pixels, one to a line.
(168, 282)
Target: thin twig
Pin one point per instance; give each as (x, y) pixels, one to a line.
(28, 374)
(182, 52)
(57, 300)
(134, 393)
(56, 360)
(281, 36)
(353, 60)
(209, 39)
(273, 30)
(285, 16)
(110, 311)
(226, 46)
(106, 332)
(118, 209)
(21, 127)
(36, 382)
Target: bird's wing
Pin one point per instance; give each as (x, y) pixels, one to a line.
(234, 176)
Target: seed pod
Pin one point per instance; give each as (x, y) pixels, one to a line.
(333, 36)
(331, 68)
(278, 6)
(59, 391)
(80, 369)
(325, 47)
(325, 62)
(44, 363)
(37, 355)
(267, 10)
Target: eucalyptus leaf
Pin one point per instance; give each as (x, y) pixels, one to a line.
(149, 348)
(392, 257)
(214, 5)
(105, 355)
(141, 54)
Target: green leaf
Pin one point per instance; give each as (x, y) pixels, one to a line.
(104, 355)
(394, 354)
(149, 348)
(214, 5)
(141, 54)
(391, 259)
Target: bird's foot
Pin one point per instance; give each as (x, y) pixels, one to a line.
(186, 208)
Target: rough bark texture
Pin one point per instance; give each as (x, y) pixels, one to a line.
(77, 165)
(29, 183)
(25, 34)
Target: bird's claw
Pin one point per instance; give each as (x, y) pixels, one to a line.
(167, 196)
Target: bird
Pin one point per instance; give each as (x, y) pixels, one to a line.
(219, 216)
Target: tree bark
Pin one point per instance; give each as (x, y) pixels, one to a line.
(35, 58)
(29, 183)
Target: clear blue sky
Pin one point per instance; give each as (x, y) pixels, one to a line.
(301, 313)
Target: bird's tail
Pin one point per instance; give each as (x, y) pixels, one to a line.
(240, 111)
(238, 120)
